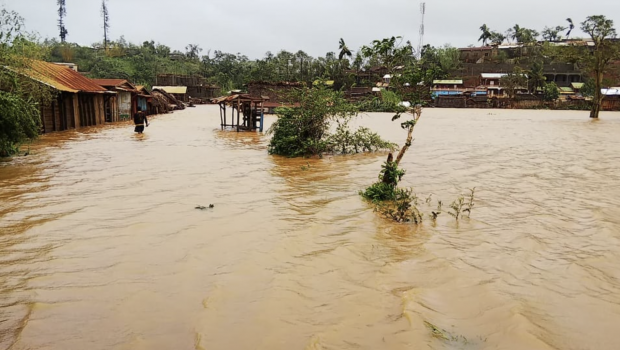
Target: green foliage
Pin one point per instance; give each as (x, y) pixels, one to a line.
(19, 122)
(304, 131)
(386, 188)
(588, 88)
(389, 101)
(551, 92)
(514, 81)
(460, 206)
(19, 115)
(553, 33)
(535, 76)
(405, 206)
(344, 141)
(601, 30)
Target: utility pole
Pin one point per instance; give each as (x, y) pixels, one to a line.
(106, 24)
(421, 43)
(62, 12)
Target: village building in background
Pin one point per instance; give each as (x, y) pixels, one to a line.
(196, 87)
(179, 92)
(274, 94)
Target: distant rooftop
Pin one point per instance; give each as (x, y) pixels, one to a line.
(172, 89)
(448, 82)
(493, 75)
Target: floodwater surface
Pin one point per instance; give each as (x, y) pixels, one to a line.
(101, 246)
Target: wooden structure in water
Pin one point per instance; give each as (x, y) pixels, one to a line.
(247, 109)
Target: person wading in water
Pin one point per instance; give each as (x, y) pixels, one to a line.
(140, 120)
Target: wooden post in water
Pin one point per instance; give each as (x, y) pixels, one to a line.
(262, 117)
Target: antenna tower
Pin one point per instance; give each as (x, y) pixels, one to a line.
(421, 43)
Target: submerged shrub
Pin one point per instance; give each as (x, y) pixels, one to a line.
(304, 131)
(385, 188)
(19, 122)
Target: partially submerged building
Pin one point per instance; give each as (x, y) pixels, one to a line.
(249, 112)
(78, 101)
(124, 105)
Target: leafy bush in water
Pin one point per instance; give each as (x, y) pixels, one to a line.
(385, 189)
(389, 102)
(362, 140)
(304, 131)
(19, 121)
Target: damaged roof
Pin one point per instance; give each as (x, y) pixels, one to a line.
(117, 84)
(60, 77)
(172, 89)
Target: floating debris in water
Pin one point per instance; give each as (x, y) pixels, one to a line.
(202, 207)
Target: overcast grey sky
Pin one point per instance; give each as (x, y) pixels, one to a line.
(254, 27)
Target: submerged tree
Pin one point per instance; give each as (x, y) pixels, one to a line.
(389, 177)
(601, 30)
(106, 23)
(304, 131)
(62, 12)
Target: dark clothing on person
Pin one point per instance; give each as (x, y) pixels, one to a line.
(139, 119)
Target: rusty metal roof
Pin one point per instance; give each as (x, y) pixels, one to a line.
(237, 97)
(61, 78)
(116, 84)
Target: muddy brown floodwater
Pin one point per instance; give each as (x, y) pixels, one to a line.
(101, 247)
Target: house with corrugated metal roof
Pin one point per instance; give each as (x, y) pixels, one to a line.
(124, 105)
(78, 102)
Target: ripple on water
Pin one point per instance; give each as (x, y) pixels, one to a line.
(101, 247)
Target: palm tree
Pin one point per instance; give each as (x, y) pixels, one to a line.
(536, 77)
(344, 50)
(571, 26)
(515, 33)
(497, 38)
(486, 34)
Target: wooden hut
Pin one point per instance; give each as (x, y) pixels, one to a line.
(179, 92)
(172, 100)
(159, 103)
(125, 104)
(249, 110)
(79, 101)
